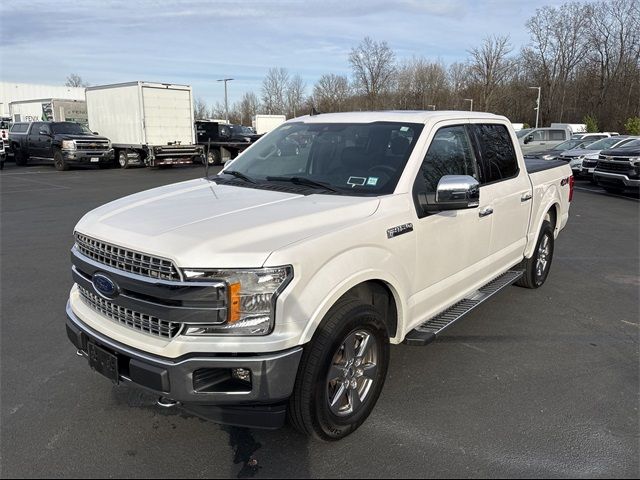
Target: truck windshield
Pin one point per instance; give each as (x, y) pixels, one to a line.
(350, 159)
(571, 144)
(70, 128)
(605, 143)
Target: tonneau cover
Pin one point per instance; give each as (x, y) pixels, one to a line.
(537, 165)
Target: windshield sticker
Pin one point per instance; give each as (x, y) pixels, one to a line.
(404, 129)
(357, 181)
(373, 181)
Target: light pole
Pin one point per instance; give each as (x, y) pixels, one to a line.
(469, 100)
(537, 109)
(226, 104)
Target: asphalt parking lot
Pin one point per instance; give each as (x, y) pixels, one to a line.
(534, 383)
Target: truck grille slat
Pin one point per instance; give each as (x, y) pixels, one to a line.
(127, 260)
(138, 321)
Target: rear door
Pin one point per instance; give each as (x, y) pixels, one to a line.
(506, 190)
(168, 115)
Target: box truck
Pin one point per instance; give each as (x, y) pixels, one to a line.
(49, 110)
(265, 123)
(148, 123)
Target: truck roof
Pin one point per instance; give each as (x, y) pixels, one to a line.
(143, 83)
(410, 116)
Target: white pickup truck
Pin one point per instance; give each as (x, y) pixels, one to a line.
(274, 288)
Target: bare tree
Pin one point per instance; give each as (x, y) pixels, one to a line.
(200, 109)
(490, 67)
(75, 80)
(218, 111)
(274, 87)
(559, 44)
(373, 65)
(295, 95)
(249, 105)
(331, 92)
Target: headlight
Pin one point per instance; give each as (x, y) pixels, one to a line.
(635, 161)
(251, 299)
(548, 157)
(68, 144)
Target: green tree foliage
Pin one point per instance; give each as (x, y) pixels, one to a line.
(632, 126)
(591, 122)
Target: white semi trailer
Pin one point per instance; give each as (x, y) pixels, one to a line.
(49, 110)
(148, 123)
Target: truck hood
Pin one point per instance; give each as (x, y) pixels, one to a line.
(78, 136)
(199, 224)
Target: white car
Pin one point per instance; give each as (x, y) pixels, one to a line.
(276, 287)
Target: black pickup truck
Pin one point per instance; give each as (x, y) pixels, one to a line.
(64, 143)
(223, 141)
(619, 169)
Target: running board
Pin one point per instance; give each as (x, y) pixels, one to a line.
(428, 331)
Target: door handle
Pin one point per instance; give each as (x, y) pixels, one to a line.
(526, 197)
(485, 212)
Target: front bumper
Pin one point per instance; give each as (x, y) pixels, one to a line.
(262, 404)
(83, 157)
(616, 179)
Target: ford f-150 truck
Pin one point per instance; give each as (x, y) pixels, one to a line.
(276, 287)
(64, 143)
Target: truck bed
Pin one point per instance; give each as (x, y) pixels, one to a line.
(535, 165)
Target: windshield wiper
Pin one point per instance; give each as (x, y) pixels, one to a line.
(307, 182)
(239, 175)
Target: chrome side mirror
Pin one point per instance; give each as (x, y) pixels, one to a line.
(457, 192)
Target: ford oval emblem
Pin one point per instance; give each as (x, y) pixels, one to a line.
(105, 286)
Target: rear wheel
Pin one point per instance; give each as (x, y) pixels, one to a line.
(21, 158)
(341, 373)
(123, 159)
(214, 157)
(59, 162)
(537, 267)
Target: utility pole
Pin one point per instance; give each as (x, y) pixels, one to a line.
(226, 103)
(469, 100)
(537, 109)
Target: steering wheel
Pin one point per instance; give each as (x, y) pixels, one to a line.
(386, 169)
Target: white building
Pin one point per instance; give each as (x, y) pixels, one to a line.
(11, 92)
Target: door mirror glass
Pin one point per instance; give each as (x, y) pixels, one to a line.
(528, 139)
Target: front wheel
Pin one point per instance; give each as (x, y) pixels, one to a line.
(214, 157)
(341, 373)
(537, 267)
(59, 162)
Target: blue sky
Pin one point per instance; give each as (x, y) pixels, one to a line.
(196, 42)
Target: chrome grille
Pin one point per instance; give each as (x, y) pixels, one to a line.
(127, 260)
(92, 145)
(589, 163)
(137, 321)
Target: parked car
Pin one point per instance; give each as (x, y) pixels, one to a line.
(278, 285)
(595, 136)
(65, 144)
(619, 168)
(583, 160)
(555, 152)
(539, 139)
(5, 125)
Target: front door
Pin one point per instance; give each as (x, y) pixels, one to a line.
(451, 245)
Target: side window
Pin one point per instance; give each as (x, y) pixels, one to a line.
(45, 128)
(539, 135)
(557, 135)
(499, 160)
(450, 153)
(35, 128)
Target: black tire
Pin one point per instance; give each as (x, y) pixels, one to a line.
(59, 162)
(309, 410)
(21, 158)
(535, 273)
(214, 157)
(614, 190)
(123, 159)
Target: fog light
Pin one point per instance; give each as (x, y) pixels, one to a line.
(241, 374)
